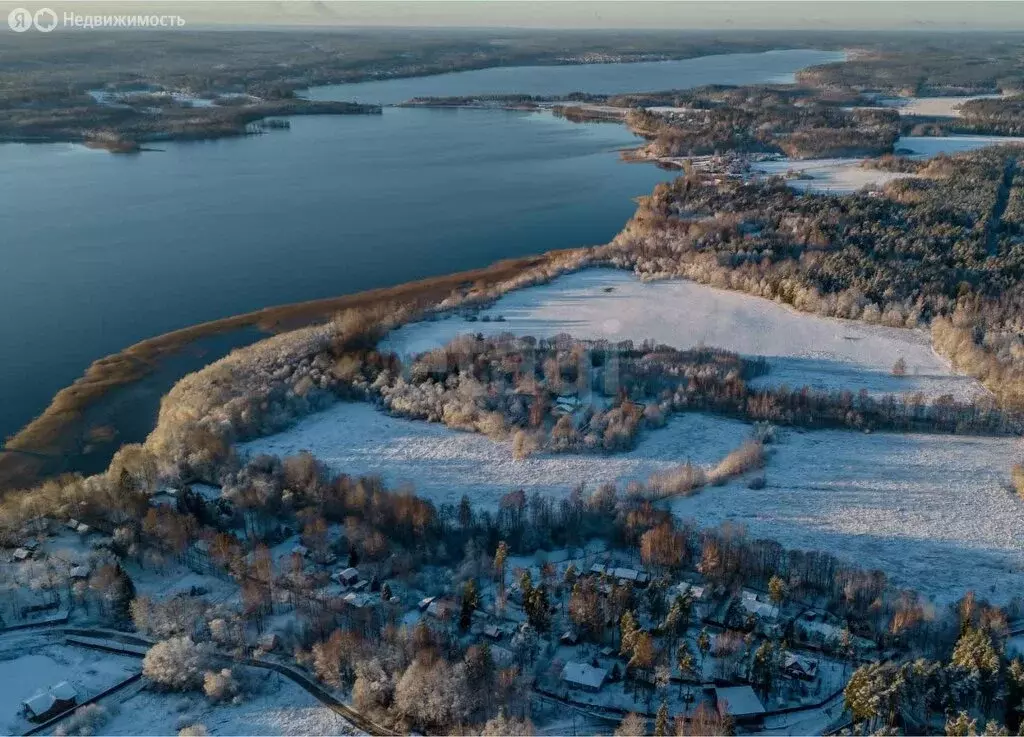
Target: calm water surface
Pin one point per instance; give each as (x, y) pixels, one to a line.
(101, 251)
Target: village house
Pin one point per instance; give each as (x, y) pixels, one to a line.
(696, 593)
(740, 703)
(800, 667)
(622, 575)
(569, 637)
(347, 577)
(441, 609)
(502, 656)
(358, 601)
(268, 642)
(50, 703)
(760, 609)
(583, 676)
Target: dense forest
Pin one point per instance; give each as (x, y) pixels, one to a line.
(794, 121)
(938, 66)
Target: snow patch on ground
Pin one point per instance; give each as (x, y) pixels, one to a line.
(802, 349)
(279, 708)
(837, 176)
(444, 464)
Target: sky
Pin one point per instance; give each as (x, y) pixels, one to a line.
(579, 14)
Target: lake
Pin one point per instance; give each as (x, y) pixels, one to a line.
(101, 251)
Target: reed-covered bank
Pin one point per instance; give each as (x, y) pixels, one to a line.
(62, 432)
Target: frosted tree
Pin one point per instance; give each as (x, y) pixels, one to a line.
(661, 721)
(961, 726)
(632, 725)
(525, 643)
(374, 687)
(686, 663)
(703, 645)
(433, 695)
(628, 631)
(176, 664)
(776, 590)
(500, 559)
(503, 726)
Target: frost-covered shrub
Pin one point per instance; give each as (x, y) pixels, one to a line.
(679, 481)
(87, 720)
(747, 457)
(524, 444)
(221, 685)
(176, 664)
(503, 726)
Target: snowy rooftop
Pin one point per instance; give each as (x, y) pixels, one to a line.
(738, 701)
(582, 674)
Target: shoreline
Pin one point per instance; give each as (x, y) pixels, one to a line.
(61, 431)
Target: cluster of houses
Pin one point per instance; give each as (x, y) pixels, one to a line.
(740, 703)
(747, 611)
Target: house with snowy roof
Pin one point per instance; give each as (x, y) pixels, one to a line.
(740, 703)
(583, 676)
(50, 703)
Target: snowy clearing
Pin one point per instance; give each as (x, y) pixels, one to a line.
(932, 511)
(932, 107)
(444, 464)
(838, 176)
(279, 708)
(846, 175)
(802, 349)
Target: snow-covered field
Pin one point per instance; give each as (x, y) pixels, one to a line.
(941, 107)
(802, 349)
(279, 708)
(932, 511)
(444, 464)
(839, 176)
